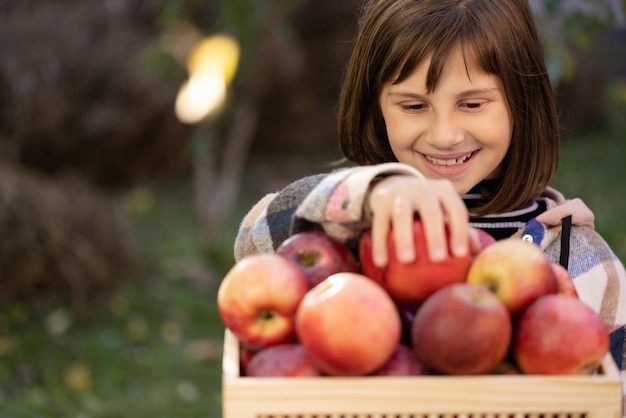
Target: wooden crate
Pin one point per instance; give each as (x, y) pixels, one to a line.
(488, 396)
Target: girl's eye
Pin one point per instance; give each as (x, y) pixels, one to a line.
(413, 107)
(472, 105)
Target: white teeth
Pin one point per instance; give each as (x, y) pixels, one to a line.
(448, 163)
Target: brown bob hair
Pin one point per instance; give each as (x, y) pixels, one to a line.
(395, 35)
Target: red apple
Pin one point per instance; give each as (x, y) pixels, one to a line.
(407, 311)
(559, 334)
(402, 363)
(245, 355)
(366, 259)
(348, 324)
(415, 281)
(462, 329)
(518, 272)
(483, 239)
(258, 299)
(283, 360)
(318, 255)
(564, 282)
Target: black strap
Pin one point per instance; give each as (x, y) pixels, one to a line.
(566, 227)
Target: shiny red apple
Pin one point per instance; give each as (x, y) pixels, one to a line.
(402, 362)
(318, 255)
(417, 280)
(559, 334)
(482, 239)
(348, 324)
(564, 281)
(462, 329)
(283, 360)
(258, 299)
(245, 355)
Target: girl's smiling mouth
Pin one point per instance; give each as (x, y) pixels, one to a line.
(449, 161)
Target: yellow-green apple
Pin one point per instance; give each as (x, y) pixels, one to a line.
(348, 324)
(518, 272)
(564, 281)
(258, 299)
(318, 255)
(414, 281)
(283, 360)
(462, 329)
(559, 334)
(402, 362)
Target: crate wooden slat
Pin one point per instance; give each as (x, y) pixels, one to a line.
(502, 396)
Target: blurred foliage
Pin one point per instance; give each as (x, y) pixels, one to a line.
(61, 240)
(568, 24)
(151, 349)
(74, 99)
(195, 19)
(592, 168)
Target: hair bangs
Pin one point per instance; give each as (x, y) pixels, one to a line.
(437, 40)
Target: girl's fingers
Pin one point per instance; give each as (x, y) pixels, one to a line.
(403, 228)
(457, 219)
(380, 230)
(432, 216)
(395, 201)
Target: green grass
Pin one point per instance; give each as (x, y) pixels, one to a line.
(154, 349)
(136, 361)
(592, 167)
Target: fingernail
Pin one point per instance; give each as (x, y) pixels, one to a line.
(459, 250)
(438, 254)
(380, 261)
(406, 256)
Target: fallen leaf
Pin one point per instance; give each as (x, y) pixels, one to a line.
(187, 391)
(119, 306)
(171, 332)
(77, 377)
(204, 350)
(58, 322)
(6, 345)
(137, 329)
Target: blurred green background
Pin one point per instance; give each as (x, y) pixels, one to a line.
(118, 219)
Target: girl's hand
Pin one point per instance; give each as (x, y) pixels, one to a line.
(395, 200)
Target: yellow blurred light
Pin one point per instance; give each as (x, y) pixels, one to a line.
(212, 65)
(215, 53)
(201, 95)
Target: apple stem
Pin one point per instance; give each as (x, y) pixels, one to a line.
(266, 315)
(307, 258)
(492, 285)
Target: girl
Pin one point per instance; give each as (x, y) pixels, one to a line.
(447, 111)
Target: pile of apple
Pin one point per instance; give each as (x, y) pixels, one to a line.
(313, 308)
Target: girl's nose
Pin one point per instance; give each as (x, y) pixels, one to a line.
(446, 132)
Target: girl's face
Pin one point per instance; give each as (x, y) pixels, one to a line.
(461, 131)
